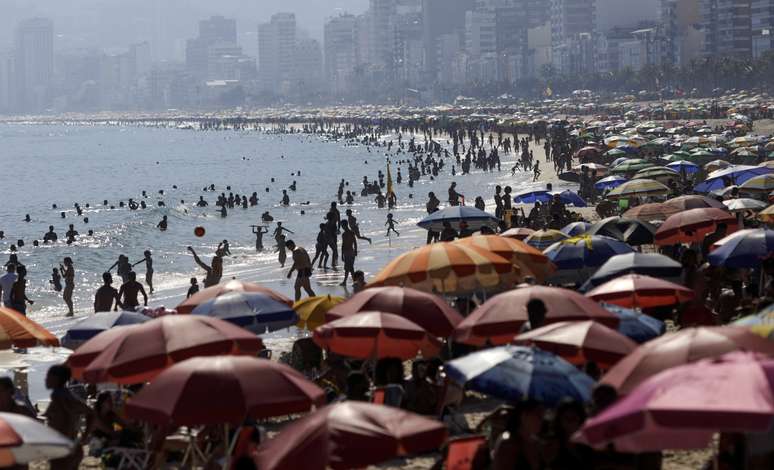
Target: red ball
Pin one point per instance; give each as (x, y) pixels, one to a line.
(199, 231)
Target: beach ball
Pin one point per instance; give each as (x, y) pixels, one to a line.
(199, 231)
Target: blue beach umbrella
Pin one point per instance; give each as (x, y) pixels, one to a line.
(610, 182)
(95, 324)
(574, 229)
(254, 311)
(635, 325)
(475, 218)
(684, 165)
(648, 264)
(514, 373)
(733, 175)
(585, 251)
(571, 198)
(530, 197)
(743, 249)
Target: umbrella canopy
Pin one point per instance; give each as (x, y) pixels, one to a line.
(518, 233)
(632, 231)
(92, 325)
(736, 174)
(587, 251)
(658, 173)
(692, 225)
(375, 335)
(638, 291)
(574, 229)
(650, 211)
(137, 353)
(743, 249)
(24, 440)
(692, 201)
(448, 268)
(716, 165)
(767, 215)
(683, 166)
(758, 184)
(631, 166)
(609, 182)
(429, 311)
(570, 198)
(542, 239)
(532, 196)
(682, 347)
(638, 188)
(500, 318)
(312, 310)
(515, 373)
(243, 387)
(744, 204)
(579, 342)
(350, 435)
(529, 260)
(16, 330)
(650, 264)
(475, 218)
(636, 325)
(683, 407)
(209, 293)
(253, 311)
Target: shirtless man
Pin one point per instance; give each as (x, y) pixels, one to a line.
(259, 232)
(50, 236)
(214, 272)
(348, 251)
(106, 296)
(352, 221)
(303, 267)
(128, 293)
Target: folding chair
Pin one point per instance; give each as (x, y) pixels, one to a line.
(129, 459)
(466, 453)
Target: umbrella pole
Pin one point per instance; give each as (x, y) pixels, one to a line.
(230, 444)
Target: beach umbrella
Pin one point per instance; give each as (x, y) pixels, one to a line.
(657, 173)
(376, 335)
(743, 249)
(516, 373)
(744, 204)
(253, 311)
(586, 251)
(683, 408)
(579, 342)
(758, 184)
(518, 233)
(744, 141)
(529, 260)
(692, 201)
(137, 353)
(209, 293)
(223, 390)
(500, 318)
(650, 264)
(617, 154)
(767, 215)
(650, 212)
(475, 218)
(636, 325)
(692, 225)
(587, 151)
(532, 196)
(631, 166)
(716, 165)
(639, 291)
(312, 310)
(764, 318)
(542, 239)
(16, 330)
(92, 325)
(619, 141)
(350, 435)
(447, 268)
(600, 169)
(638, 188)
(429, 311)
(609, 182)
(697, 140)
(570, 198)
(683, 166)
(25, 440)
(682, 347)
(735, 174)
(573, 229)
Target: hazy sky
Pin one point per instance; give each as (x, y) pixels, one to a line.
(113, 24)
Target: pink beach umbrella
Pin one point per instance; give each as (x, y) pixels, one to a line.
(682, 407)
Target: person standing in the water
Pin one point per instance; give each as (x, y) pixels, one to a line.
(68, 273)
(214, 272)
(259, 231)
(148, 269)
(348, 250)
(279, 232)
(303, 267)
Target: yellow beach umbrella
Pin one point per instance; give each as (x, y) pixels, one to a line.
(530, 260)
(542, 239)
(758, 184)
(639, 187)
(311, 310)
(767, 215)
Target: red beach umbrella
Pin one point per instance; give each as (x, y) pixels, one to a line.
(374, 335)
(639, 291)
(579, 342)
(500, 318)
(350, 435)
(224, 288)
(683, 347)
(429, 311)
(19, 331)
(692, 225)
(137, 353)
(223, 390)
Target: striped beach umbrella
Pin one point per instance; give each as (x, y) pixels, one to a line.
(692, 225)
(609, 182)
(743, 249)
(658, 173)
(529, 260)
(650, 211)
(93, 325)
(631, 166)
(448, 268)
(542, 239)
(767, 215)
(758, 184)
(639, 291)
(683, 166)
(518, 233)
(638, 188)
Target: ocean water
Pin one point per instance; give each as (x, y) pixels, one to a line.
(64, 164)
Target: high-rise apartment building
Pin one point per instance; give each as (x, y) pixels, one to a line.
(573, 25)
(34, 63)
(276, 52)
(727, 26)
(215, 31)
(341, 52)
(762, 26)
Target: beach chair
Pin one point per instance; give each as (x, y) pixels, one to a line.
(128, 458)
(466, 453)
